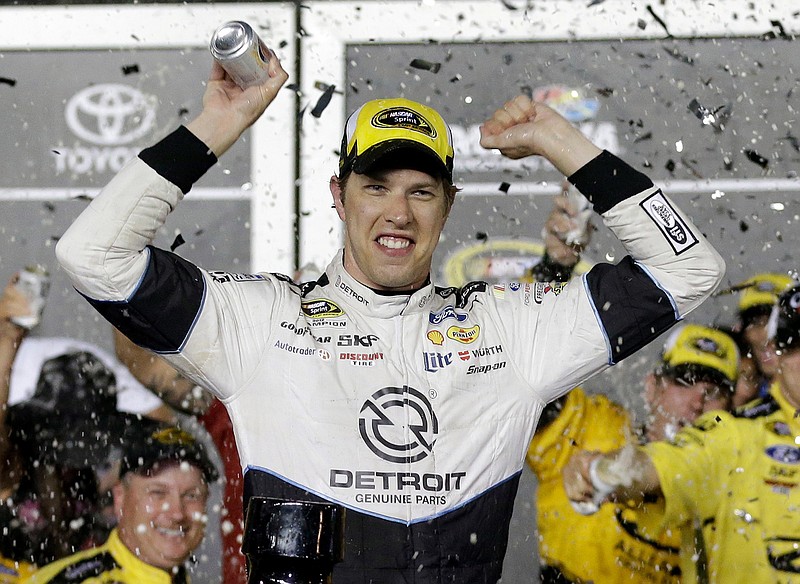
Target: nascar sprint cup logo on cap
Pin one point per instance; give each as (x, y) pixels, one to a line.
(669, 222)
(400, 117)
(391, 439)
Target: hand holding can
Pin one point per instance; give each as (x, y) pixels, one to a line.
(241, 52)
(34, 283)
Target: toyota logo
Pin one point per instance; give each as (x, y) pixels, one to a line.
(398, 424)
(110, 114)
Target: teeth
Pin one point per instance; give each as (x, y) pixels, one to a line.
(394, 243)
(171, 532)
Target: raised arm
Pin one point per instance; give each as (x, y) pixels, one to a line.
(12, 303)
(671, 268)
(103, 252)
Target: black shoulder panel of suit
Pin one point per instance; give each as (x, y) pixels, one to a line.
(162, 310)
(632, 308)
(181, 158)
(86, 569)
(758, 408)
(434, 551)
(606, 180)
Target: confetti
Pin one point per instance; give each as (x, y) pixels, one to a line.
(676, 54)
(504, 186)
(323, 101)
(658, 19)
(755, 157)
(7, 81)
(481, 236)
(179, 241)
(426, 65)
(130, 69)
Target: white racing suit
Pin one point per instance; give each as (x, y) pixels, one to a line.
(412, 411)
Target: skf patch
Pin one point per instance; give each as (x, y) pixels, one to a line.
(464, 335)
(321, 308)
(675, 229)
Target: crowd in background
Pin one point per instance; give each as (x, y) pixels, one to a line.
(70, 410)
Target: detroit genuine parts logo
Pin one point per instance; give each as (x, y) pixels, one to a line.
(108, 117)
(385, 435)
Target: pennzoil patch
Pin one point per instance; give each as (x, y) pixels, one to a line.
(669, 222)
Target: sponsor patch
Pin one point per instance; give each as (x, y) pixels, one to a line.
(401, 117)
(478, 369)
(305, 351)
(225, 277)
(345, 287)
(361, 359)
(435, 361)
(321, 308)
(445, 313)
(542, 288)
(464, 335)
(435, 337)
(674, 229)
(784, 453)
(398, 424)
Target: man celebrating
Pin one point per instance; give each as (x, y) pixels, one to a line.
(160, 505)
(729, 481)
(696, 373)
(409, 404)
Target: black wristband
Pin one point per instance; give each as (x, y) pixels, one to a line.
(548, 270)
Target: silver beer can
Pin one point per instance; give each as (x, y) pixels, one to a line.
(241, 52)
(34, 283)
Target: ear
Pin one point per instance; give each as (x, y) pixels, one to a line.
(650, 389)
(336, 192)
(118, 491)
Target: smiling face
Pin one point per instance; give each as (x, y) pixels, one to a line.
(393, 219)
(673, 404)
(161, 515)
(755, 333)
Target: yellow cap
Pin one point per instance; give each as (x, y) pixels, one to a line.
(693, 352)
(382, 126)
(762, 290)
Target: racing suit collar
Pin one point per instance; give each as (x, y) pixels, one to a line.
(352, 293)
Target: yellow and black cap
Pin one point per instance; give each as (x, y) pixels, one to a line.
(695, 353)
(162, 443)
(413, 133)
(759, 294)
(784, 322)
